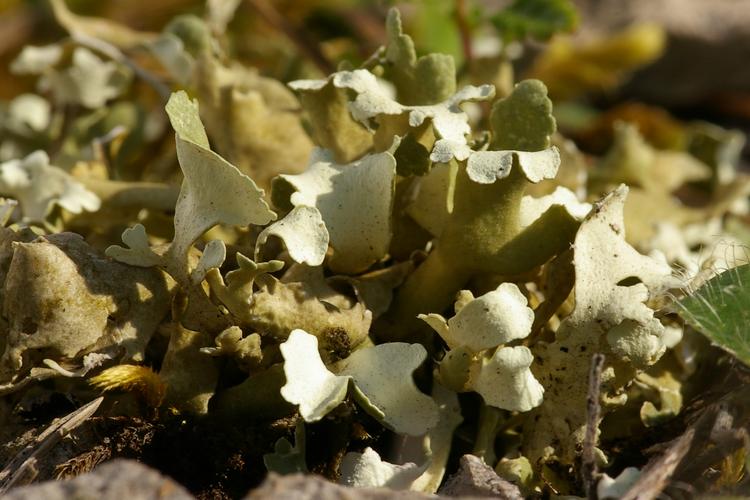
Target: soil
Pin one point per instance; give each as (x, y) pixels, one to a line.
(213, 458)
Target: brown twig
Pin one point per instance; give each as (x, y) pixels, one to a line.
(308, 47)
(657, 473)
(464, 31)
(719, 430)
(593, 410)
(23, 468)
(724, 445)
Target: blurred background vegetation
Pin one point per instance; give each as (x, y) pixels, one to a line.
(591, 59)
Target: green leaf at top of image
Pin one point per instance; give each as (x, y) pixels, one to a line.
(720, 309)
(434, 29)
(537, 19)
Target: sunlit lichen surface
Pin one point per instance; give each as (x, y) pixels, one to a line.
(368, 273)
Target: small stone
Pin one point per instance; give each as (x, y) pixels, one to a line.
(112, 481)
(307, 487)
(475, 478)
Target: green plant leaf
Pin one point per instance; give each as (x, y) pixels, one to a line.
(505, 380)
(47, 284)
(354, 200)
(28, 114)
(333, 126)
(288, 458)
(611, 316)
(523, 121)
(97, 28)
(252, 121)
(533, 208)
(384, 387)
(304, 234)
(486, 167)
(303, 299)
(231, 342)
(138, 252)
(212, 257)
(373, 104)
(495, 318)
(89, 81)
(309, 383)
(381, 376)
(38, 186)
(35, 60)
(437, 443)
(170, 51)
(368, 470)
(720, 309)
(237, 292)
(538, 19)
(433, 203)
(429, 79)
(214, 191)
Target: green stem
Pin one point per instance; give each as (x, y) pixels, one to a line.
(505, 78)
(431, 288)
(549, 235)
(190, 375)
(484, 445)
(257, 398)
(484, 218)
